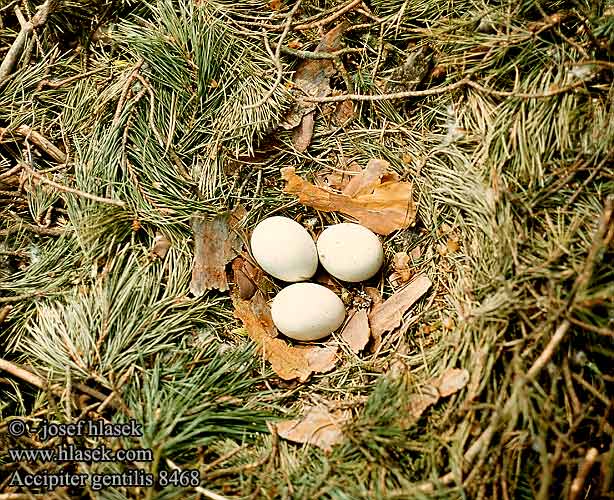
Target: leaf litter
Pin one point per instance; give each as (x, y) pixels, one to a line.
(387, 208)
(287, 361)
(318, 427)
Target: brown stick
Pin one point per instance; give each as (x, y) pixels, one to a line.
(14, 53)
(42, 142)
(93, 197)
(448, 88)
(330, 18)
(39, 382)
(585, 467)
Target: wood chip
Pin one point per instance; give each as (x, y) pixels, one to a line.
(287, 361)
(357, 332)
(388, 315)
(318, 427)
(216, 243)
(452, 381)
(388, 208)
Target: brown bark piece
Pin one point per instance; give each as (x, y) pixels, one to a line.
(357, 331)
(388, 315)
(215, 244)
(388, 208)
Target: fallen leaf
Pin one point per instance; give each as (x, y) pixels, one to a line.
(390, 207)
(246, 277)
(301, 137)
(215, 244)
(287, 361)
(366, 181)
(340, 177)
(318, 427)
(357, 332)
(275, 4)
(418, 403)
(388, 315)
(452, 381)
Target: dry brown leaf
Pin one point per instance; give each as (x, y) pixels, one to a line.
(246, 276)
(317, 427)
(344, 112)
(275, 4)
(366, 181)
(215, 244)
(357, 332)
(452, 381)
(287, 361)
(341, 177)
(418, 403)
(390, 207)
(388, 315)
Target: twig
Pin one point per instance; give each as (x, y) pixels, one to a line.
(38, 140)
(329, 19)
(276, 58)
(396, 95)
(125, 89)
(43, 231)
(92, 197)
(10, 172)
(223, 458)
(448, 88)
(591, 328)
(585, 467)
(39, 382)
(14, 53)
(305, 54)
(61, 83)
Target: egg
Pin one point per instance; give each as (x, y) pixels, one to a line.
(350, 252)
(306, 311)
(284, 249)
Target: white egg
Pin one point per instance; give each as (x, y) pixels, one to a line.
(306, 311)
(284, 249)
(350, 252)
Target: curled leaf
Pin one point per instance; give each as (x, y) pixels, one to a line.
(388, 208)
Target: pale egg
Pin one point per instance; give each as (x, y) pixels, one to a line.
(284, 249)
(350, 252)
(306, 311)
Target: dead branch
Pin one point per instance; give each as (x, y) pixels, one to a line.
(66, 189)
(38, 140)
(14, 53)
